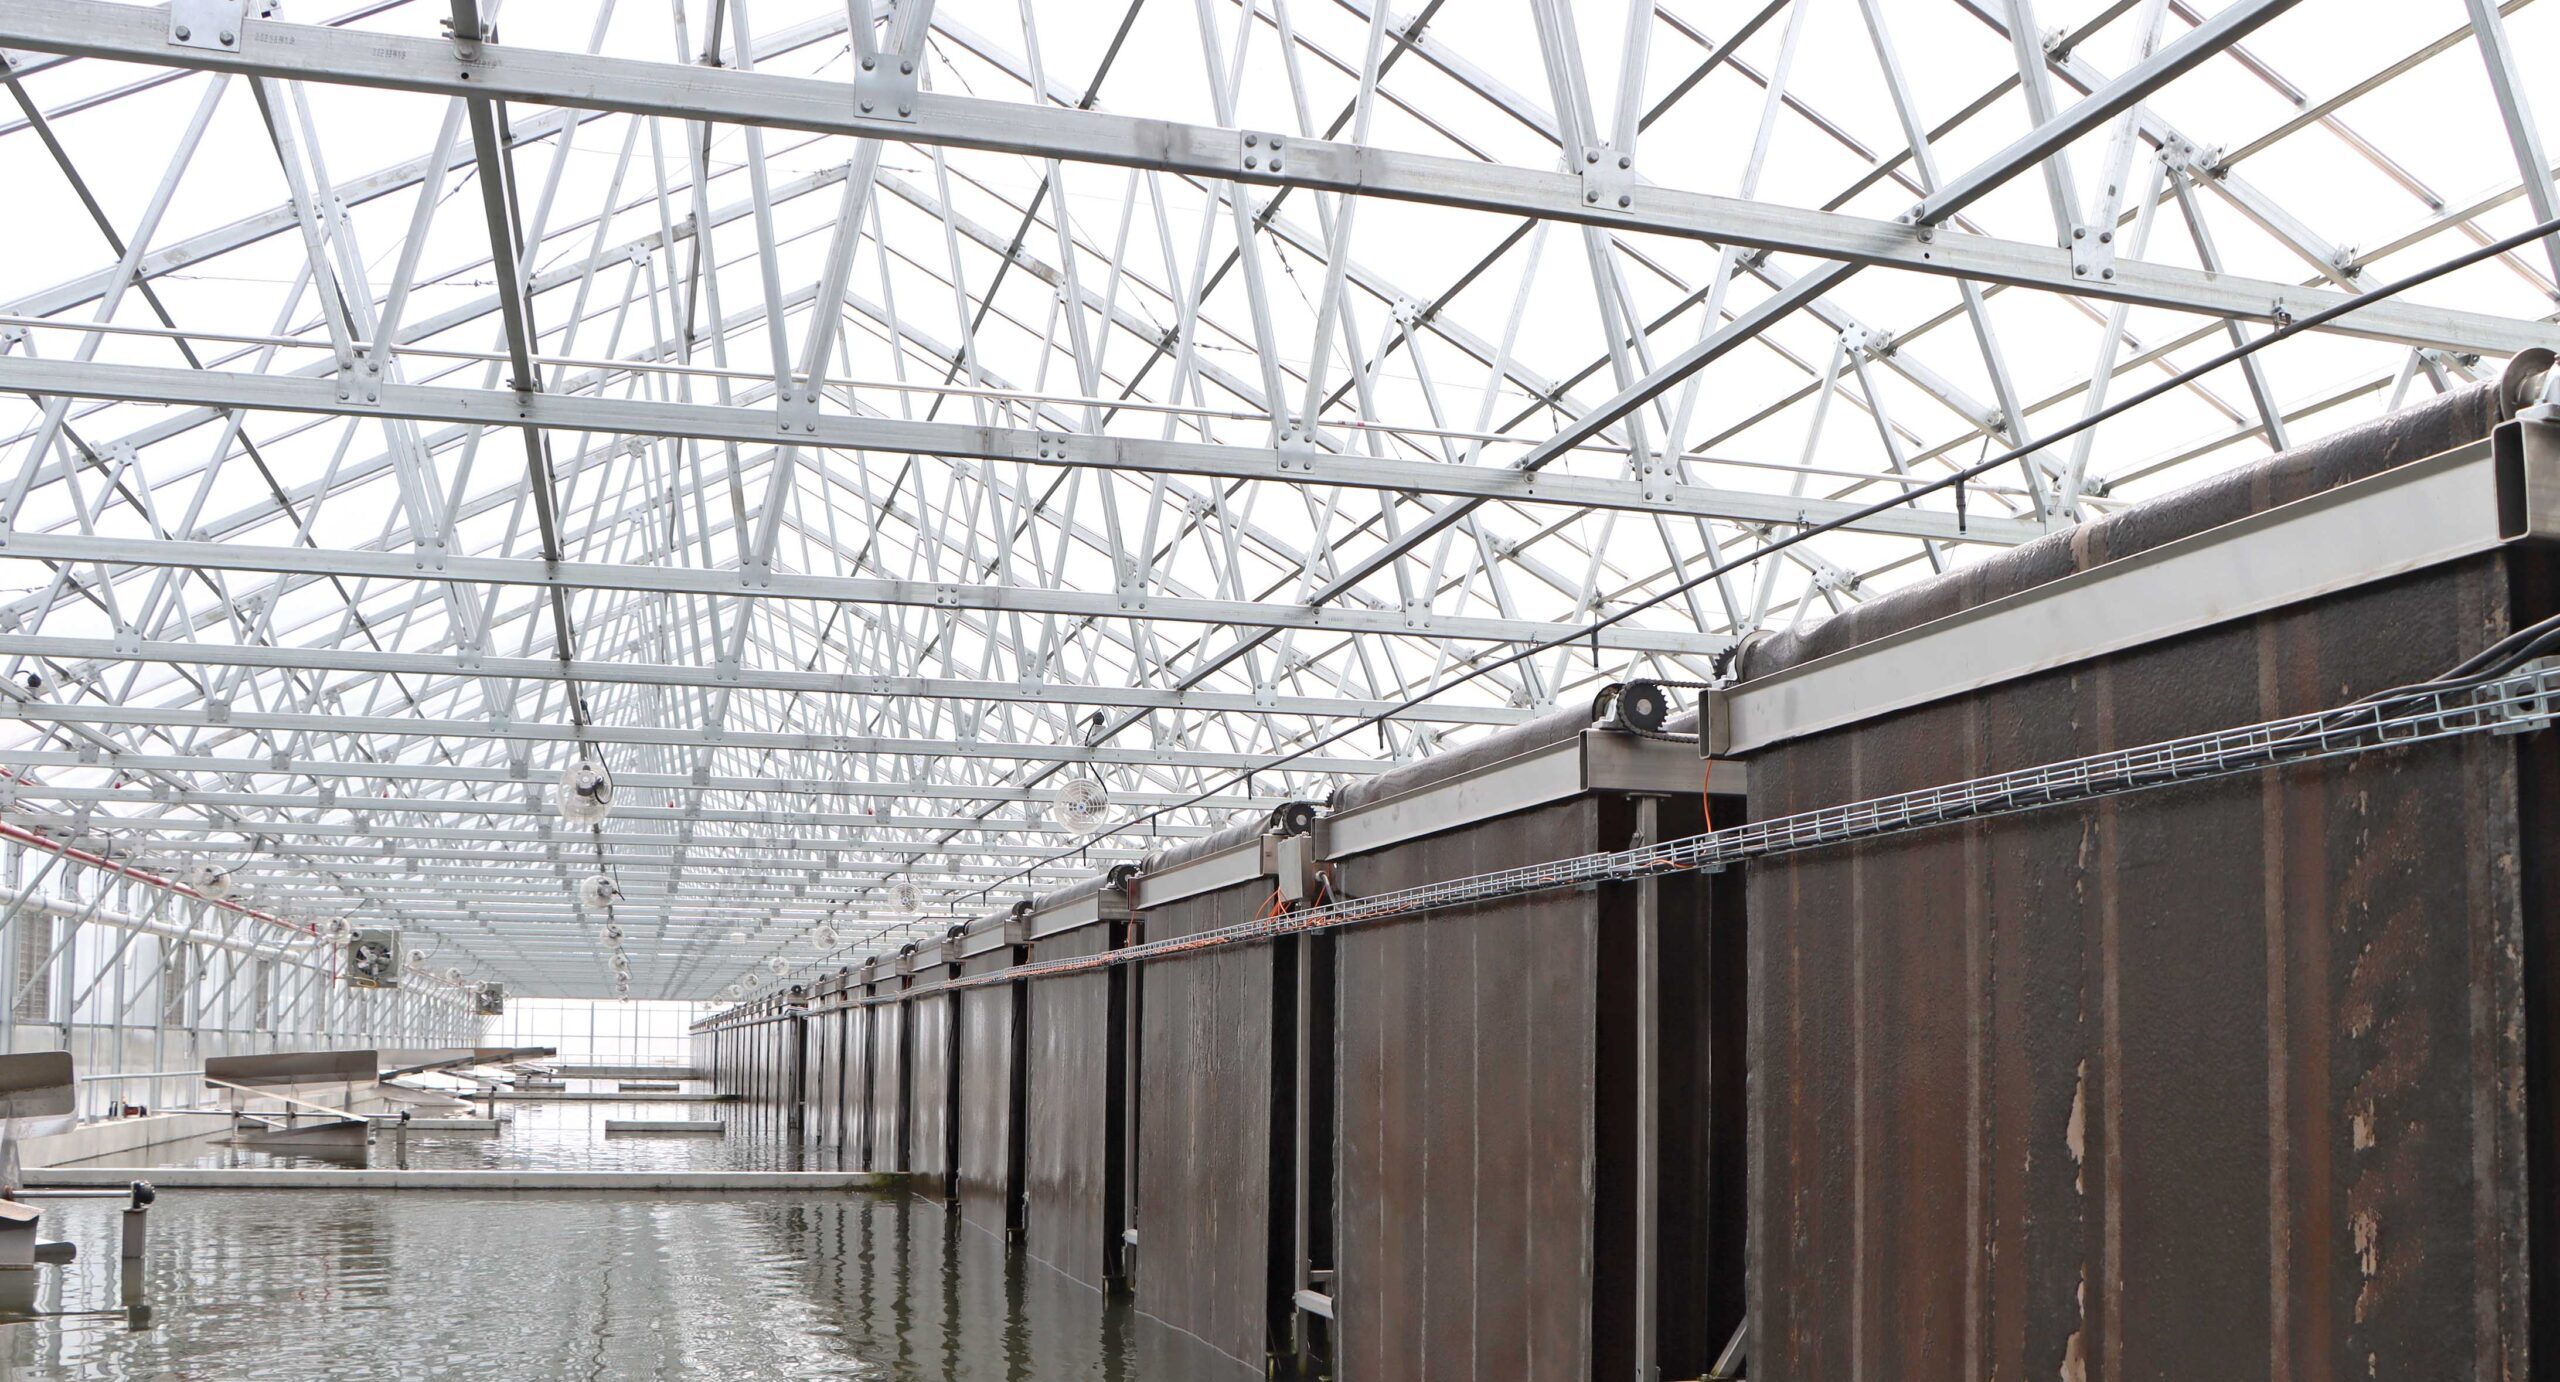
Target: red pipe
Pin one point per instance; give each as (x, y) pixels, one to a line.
(99, 861)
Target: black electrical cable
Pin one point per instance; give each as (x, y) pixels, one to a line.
(2285, 331)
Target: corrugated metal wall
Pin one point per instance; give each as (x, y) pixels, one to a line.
(1206, 1140)
(1469, 1065)
(933, 1074)
(1072, 1153)
(2227, 1080)
(886, 1107)
(857, 1023)
(990, 1088)
(1487, 1216)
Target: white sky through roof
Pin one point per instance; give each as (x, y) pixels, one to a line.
(821, 671)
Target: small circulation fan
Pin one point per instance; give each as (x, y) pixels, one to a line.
(909, 897)
(1082, 805)
(599, 890)
(826, 936)
(778, 965)
(586, 791)
(213, 880)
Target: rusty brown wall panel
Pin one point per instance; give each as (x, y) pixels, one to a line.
(2537, 595)
(986, 1107)
(1467, 1085)
(1067, 1136)
(2224, 1080)
(1205, 1149)
(1705, 1076)
(930, 1072)
(887, 1105)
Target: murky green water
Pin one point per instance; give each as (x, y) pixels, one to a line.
(328, 1284)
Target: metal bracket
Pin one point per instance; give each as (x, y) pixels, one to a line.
(1262, 152)
(360, 383)
(215, 25)
(467, 46)
(1297, 446)
(2093, 252)
(217, 712)
(1608, 179)
(128, 641)
(1657, 476)
(796, 409)
(885, 88)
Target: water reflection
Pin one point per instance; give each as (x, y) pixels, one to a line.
(328, 1284)
(536, 1136)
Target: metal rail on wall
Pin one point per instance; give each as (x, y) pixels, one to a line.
(2513, 703)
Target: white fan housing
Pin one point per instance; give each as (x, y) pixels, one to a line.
(1082, 804)
(586, 791)
(599, 890)
(213, 880)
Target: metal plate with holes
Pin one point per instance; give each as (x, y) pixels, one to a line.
(210, 24)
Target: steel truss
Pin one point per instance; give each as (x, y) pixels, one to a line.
(856, 424)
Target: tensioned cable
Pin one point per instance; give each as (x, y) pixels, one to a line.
(2285, 331)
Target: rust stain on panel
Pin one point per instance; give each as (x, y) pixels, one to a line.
(2254, 1097)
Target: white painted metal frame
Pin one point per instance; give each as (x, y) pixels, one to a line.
(853, 428)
